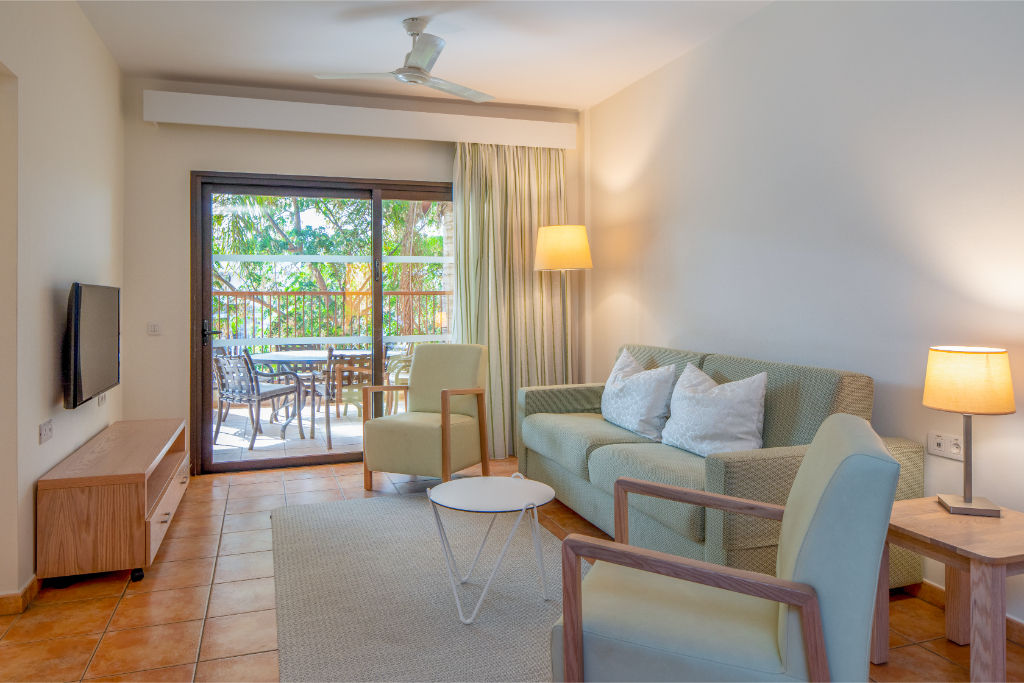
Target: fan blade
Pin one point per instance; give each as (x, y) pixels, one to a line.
(331, 77)
(456, 89)
(425, 51)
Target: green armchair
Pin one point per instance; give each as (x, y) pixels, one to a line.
(444, 429)
(647, 615)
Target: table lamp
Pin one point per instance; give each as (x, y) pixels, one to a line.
(970, 380)
(563, 248)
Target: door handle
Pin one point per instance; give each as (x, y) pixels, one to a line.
(207, 332)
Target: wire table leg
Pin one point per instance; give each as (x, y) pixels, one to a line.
(535, 532)
(452, 567)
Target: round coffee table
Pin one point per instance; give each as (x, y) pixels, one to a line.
(489, 495)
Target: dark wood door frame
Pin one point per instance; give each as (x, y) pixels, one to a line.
(203, 185)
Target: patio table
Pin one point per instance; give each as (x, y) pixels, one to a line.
(317, 357)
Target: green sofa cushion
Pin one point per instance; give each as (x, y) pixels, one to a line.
(570, 438)
(798, 397)
(658, 463)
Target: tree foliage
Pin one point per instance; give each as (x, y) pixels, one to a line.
(270, 302)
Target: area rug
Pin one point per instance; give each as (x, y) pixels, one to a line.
(363, 595)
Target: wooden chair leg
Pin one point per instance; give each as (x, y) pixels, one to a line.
(446, 439)
(367, 475)
(481, 418)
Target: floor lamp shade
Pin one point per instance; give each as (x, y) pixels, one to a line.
(562, 247)
(969, 380)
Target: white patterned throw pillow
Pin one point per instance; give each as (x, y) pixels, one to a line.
(637, 399)
(708, 417)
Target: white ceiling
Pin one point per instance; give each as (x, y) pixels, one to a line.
(554, 54)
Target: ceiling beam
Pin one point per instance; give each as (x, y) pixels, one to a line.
(159, 106)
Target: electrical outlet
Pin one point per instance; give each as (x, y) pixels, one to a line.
(101, 399)
(956, 448)
(46, 431)
(937, 444)
(153, 329)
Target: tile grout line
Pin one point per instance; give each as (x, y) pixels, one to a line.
(213, 576)
(103, 634)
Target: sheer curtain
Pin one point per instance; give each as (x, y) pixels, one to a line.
(502, 195)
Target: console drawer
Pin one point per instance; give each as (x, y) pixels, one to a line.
(163, 511)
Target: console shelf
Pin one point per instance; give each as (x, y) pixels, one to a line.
(108, 505)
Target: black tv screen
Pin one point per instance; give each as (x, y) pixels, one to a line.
(92, 347)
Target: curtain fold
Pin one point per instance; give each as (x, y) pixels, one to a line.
(501, 196)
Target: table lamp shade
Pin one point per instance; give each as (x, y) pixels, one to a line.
(970, 380)
(562, 247)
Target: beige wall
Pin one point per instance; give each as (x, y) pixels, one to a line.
(833, 184)
(69, 205)
(8, 333)
(158, 161)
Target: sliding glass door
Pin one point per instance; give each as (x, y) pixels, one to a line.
(286, 268)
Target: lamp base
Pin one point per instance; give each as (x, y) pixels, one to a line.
(980, 507)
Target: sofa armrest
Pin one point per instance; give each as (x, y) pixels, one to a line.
(767, 475)
(560, 398)
(557, 398)
(910, 455)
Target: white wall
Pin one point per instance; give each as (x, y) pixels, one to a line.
(159, 158)
(834, 184)
(69, 207)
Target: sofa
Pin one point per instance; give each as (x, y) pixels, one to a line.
(563, 441)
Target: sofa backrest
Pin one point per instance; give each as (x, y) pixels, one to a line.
(650, 357)
(798, 397)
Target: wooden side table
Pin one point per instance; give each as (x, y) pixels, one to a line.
(979, 553)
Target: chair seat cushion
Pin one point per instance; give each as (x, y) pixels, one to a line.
(570, 438)
(639, 626)
(658, 463)
(410, 443)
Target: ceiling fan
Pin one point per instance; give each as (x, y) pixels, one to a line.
(426, 48)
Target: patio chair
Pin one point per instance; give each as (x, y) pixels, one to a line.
(351, 373)
(239, 382)
(396, 373)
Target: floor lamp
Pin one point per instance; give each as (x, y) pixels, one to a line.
(563, 248)
(969, 380)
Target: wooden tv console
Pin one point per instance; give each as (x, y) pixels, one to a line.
(108, 505)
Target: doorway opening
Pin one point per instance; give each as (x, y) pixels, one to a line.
(305, 290)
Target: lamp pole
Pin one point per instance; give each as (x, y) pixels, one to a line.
(565, 326)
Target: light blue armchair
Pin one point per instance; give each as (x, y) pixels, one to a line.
(643, 615)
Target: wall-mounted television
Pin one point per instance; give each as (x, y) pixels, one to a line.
(92, 343)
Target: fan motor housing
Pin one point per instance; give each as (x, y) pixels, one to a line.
(412, 74)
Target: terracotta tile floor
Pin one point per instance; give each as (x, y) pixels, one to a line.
(205, 610)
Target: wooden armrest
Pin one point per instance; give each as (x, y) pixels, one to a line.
(385, 387)
(627, 485)
(576, 547)
(461, 392)
(446, 429)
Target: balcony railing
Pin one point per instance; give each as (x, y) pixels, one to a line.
(263, 318)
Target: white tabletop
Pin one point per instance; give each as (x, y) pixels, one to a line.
(491, 494)
(305, 355)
